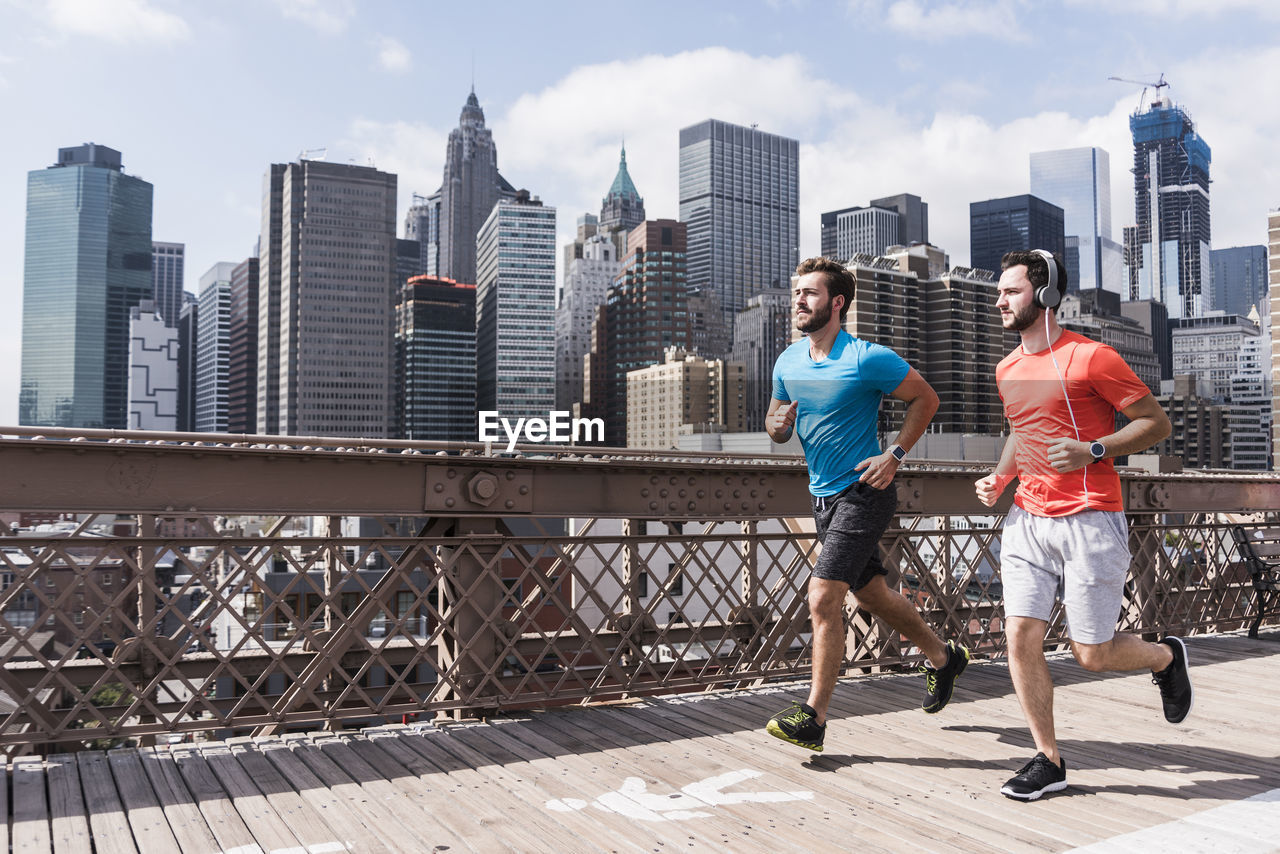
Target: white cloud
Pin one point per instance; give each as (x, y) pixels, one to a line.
(413, 151)
(562, 142)
(393, 56)
(327, 16)
(1182, 9)
(933, 21)
(120, 21)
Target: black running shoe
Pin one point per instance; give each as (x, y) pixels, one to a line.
(1175, 683)
(938, 684)
(798, 725)
(1036, 777)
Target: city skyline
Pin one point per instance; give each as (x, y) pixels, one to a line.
(876, 104)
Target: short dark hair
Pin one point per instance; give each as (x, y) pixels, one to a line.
(1037, 267)
(837, 277)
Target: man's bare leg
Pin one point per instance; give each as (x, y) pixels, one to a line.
(1031, 680)
(896, 610)
(826, 614)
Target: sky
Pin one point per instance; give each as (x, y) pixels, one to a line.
(942, 99)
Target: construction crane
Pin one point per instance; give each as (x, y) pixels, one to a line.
(312, 154)
(1145, 84)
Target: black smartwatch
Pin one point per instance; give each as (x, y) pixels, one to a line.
(1098, 450)
(898, 453)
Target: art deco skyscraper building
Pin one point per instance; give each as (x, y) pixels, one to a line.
(88, 263)
(471, 187)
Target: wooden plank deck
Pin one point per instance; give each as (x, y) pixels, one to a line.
(697, 773)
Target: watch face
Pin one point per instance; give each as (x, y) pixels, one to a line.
(1098, 450)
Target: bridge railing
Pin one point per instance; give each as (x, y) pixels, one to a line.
(215, 584)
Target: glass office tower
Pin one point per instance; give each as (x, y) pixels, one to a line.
(1078, 180)
(88, 263)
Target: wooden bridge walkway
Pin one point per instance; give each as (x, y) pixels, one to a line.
(698, 773)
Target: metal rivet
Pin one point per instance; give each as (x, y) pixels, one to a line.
(439, 487)
(644, 493)
(448, 502)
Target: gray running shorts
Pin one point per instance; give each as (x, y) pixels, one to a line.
(1082, 559)
(850, 525)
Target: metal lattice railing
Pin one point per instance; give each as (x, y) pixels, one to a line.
(136, 623)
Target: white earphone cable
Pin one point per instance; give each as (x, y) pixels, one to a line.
(1084, 472)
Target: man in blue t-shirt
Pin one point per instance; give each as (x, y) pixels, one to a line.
(828, 387)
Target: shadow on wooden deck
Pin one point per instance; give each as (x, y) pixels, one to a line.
(697, 772)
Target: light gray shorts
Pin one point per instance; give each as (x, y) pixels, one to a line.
(1082, 559)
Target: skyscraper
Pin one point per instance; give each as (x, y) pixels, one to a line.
(422, 223)
(1171, 204)
(1273, 292)
(1078, 180)
(761, 332)
(153, 370)
(1238, 278)
(586, 282)
(740, 198)
(645, 312)
(901, 220)
(997, 226)
(88, 263)
(869, 231)
(436, 360)
(325, 305)
(213, 348)
(622, 209)
(167, 263)
(188, 332)
(471, 187)
(913, 227)
(515, 308)
(242, 374)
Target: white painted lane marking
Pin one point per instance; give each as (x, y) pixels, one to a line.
(1251, 826)
(633, 800)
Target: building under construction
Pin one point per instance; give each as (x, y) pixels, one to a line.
(1169, 252)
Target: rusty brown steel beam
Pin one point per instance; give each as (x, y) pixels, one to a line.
(133, 478)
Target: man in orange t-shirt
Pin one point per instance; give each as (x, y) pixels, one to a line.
(1066, 536)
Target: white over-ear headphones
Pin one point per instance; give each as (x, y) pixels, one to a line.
(1048, 296)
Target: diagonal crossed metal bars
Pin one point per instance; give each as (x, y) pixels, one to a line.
(233, 584)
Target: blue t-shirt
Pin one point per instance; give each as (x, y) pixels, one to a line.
(839, 404)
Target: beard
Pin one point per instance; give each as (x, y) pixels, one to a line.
(1023, 318)
(818, 319)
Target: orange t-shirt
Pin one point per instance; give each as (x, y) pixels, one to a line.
(1099, 383)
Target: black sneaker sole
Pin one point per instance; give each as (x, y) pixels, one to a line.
(1032, 796)
(964, 663)
(1186, 663)
(776, 731)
